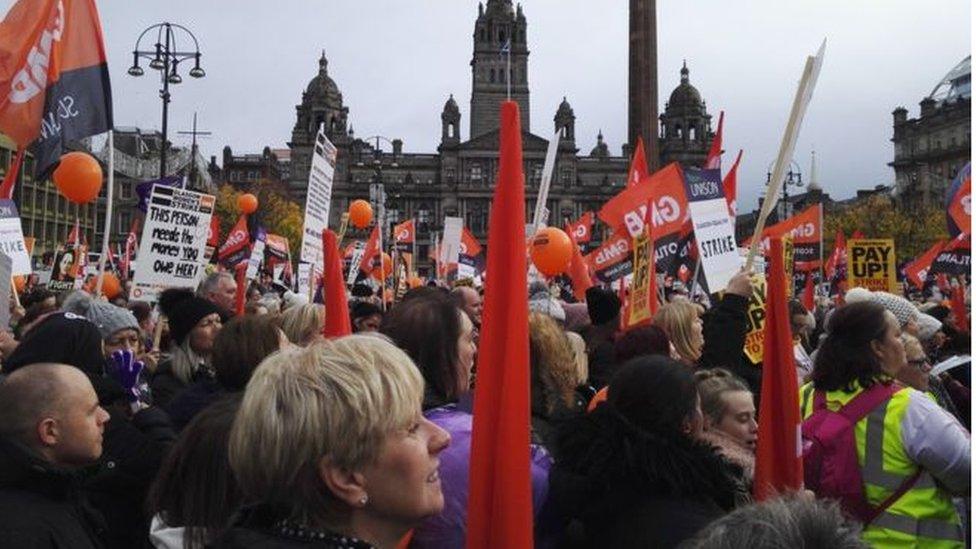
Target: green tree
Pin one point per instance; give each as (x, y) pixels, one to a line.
(878, 216)
(279, 214)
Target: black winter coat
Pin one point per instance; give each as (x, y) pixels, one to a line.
(42, 506)
(725, 327)
(189, 402)
(615, 486)
(132, 452)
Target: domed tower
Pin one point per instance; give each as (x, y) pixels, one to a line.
(450, 123)
(600, 150)
(321, 105)
(498, 24)
(565, 121)
(686, 127)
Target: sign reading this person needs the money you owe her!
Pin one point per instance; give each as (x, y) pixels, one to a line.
(173, 240)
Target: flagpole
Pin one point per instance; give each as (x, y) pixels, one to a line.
(508, 74)
(820, 285)
(108, 213)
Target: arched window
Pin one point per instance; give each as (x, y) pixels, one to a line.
(492, 77)
(501, 36)
(452, 130)
(677, 131)
(692, 132)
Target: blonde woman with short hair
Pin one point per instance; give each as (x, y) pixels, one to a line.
(330, 446)
(303, 323)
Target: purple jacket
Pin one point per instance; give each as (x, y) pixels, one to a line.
(448, 530)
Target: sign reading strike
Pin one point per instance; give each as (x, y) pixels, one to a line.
(12, 238)
(318, 200)
(173, 242)
(713, 227)
(871, 264)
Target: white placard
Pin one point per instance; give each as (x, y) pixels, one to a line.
(304, 278)
(357, 258)
(541, 215)
(714, 232)
(318, 198)
(173, 239)
(451, 240)
(257, 255)
(12, 238)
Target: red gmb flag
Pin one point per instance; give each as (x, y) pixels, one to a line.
(730, 184)
(405, 232)
(838, 257)
(469, 244)
(713, 161)
(805, 229)
(959, 203)
(918, 270)
(581, 230)
(54, 82)
(613, 259)
(371, 251)
(638, 164)
(664, 190)
(235, 248)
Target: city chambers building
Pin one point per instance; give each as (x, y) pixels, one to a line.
(458, 179)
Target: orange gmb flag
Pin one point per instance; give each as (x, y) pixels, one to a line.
(337, 321)
(664, 190)
(500, 498)
(918, 270)
(779, 465)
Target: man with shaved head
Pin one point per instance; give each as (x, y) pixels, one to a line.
(50, 426)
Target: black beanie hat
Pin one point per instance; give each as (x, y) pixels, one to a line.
(603, 305)
(62, 338)
(183, 310)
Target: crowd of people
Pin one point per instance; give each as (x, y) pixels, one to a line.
(187, 425)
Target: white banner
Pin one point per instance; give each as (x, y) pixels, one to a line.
(12, 238)
(539, 219)
(6, 268)
(451, 240)
(173, 240)
(714, 231)
(305, 279)
(318, 199)
(357, 258)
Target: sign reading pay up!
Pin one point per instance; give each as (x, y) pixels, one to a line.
(871, 264)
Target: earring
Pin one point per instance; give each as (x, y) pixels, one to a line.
(364, 500)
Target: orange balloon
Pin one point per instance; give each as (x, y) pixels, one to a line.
(111, 287)
(20, 283)
(78, 177)
(247, 203)
(360, 213)
(551, 251)
(415, 282)
(384, 269)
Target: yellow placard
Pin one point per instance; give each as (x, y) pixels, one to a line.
(757, 320)
(871, 264)
(788, 253)
(640, 295)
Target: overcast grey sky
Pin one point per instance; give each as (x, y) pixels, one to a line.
(396, 61)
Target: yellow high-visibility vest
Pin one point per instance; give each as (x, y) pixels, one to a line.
(924, 516)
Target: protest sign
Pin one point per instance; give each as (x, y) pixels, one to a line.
(67, 264)
(173, 242)
(954, 258)
(12, 238)
(451, 241)
(318, 200)
(257, 255)
(640, 296)
(788, 255)
(756, 316)
(306, 275)
(713, 228)
(871, 264)
(357, 258)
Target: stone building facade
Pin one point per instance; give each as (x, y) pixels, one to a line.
(458, 179)
(932, 148)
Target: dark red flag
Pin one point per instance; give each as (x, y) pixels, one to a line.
(500, 499)
(714, 159)
(638, 164)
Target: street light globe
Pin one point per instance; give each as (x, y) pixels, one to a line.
(175, 78)
(136, 70)
(197, 72)
(157, 63)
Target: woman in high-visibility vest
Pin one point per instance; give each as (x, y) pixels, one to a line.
(906, 434)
